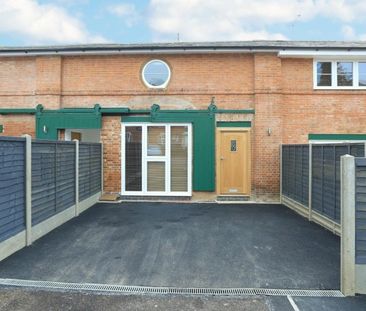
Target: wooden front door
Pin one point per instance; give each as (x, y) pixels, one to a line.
(233, 161)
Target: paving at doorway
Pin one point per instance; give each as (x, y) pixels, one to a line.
(184, 245)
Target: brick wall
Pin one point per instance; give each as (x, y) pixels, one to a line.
(18, 125)
(280, 90)
(305, 110)
(111, 140)
(267, 125)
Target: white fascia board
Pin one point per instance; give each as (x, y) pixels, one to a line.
(327, 54)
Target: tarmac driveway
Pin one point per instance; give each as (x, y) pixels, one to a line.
(184, 245)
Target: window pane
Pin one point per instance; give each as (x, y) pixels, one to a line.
(324, 80)
(179, 158)
(324, 68)
(156, 73)
(362, 74)
(324, 73)
(156, 141)
(344, 73)
(155, 176)
(133, 138)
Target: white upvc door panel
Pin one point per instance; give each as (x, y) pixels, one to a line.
(166, 159)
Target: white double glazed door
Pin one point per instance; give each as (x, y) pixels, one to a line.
(156, 159)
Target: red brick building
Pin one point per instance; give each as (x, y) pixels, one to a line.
(199, 120)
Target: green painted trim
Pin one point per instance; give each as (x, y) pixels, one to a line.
(114, 111)
(234, 124)
(5, 111)
(69, 110)
(129, 119)
(337, 136)
(139, 111)
(1, 128)
(238, 111)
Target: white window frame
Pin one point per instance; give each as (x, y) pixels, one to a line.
(334, 86)
(164, 85)
(166, 159)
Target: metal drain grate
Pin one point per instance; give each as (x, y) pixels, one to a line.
(123, 289)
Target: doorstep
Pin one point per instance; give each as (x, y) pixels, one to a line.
(232, 198)
(149, 198)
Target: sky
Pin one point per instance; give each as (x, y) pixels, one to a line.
(56, 22)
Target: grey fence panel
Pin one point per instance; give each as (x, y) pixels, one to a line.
(53, 178)
(43, 181)
(12, 186)
(89, 169)
(95, 168)
(84, 171)
(65, 176)
(340, 151)
(326, 177)
(317, 177)
(360, 210)
(295, 172)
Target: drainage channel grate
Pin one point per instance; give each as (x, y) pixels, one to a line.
(123, 289)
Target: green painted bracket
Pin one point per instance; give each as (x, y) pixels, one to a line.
(1, 128)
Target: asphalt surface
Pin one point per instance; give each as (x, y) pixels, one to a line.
(14, 299)
(184, 245)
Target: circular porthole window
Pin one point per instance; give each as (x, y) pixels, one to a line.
(156, 74)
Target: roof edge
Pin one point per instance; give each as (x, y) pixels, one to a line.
(186, 47)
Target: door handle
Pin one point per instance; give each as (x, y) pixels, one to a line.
(222, 158)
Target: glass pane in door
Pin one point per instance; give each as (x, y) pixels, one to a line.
(155, 176)
(179, 158)
(156, 141)
(133, 141)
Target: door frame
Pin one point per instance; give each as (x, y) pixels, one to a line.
(166, 159)
(218, 161)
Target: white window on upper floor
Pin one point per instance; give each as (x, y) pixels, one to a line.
(339, 74)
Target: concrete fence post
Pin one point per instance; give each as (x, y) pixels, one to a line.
(77, 212)
(101, 169)
(281, 173)
(348, 225)
(28, 189)
(310, 181)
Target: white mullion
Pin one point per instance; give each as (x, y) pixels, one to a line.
(189, 164)
(167, 158)
(144, 159)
